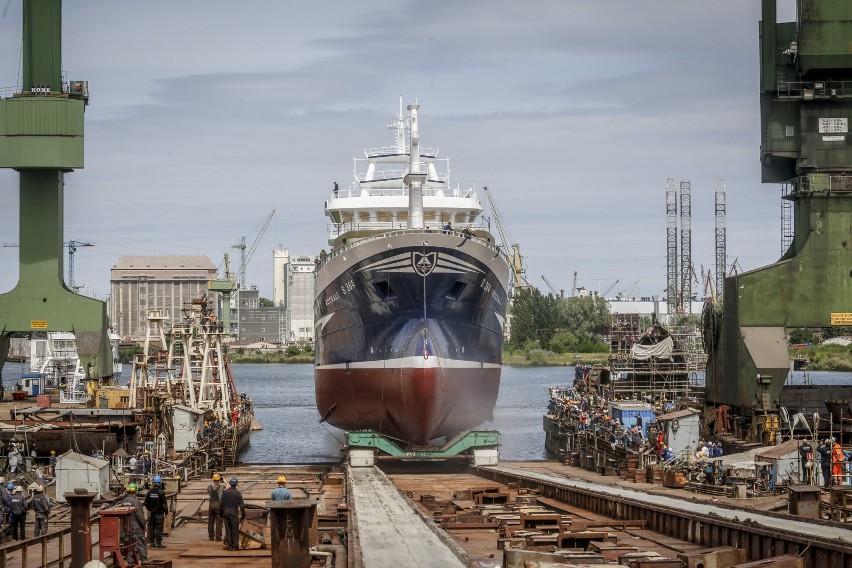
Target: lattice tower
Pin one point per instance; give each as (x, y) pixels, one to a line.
(721, 242)
(671, 245)
(686, 247)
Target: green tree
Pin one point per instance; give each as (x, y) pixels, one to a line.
(265, 303)
(584, 313)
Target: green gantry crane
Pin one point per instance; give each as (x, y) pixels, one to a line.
(806, 109)
(41, 136)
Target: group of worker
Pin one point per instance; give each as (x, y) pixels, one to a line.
(16, 506)
(157, 506)
(226, 507)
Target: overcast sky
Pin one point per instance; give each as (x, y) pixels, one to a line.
(206, 115)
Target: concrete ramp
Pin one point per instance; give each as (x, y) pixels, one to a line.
(390, 532)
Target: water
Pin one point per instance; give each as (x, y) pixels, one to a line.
(284, 404)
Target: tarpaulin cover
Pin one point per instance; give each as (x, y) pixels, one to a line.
(661, 350)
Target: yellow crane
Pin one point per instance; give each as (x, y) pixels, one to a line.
(513, 249)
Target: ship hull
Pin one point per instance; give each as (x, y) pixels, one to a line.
(409, 335)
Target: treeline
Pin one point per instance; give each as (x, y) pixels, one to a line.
(559, 325)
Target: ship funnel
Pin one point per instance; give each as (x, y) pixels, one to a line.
(414, 178)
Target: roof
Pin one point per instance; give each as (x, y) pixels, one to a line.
(164, 262)
(88, 460)
(679, 414)
(781, 450)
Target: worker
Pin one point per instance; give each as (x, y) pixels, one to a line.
(233, 511)
(281, 493)
(137, 526)
(18, 507)
(448, 228)
(52, 462)
(41, 506)
(214, 509)
(14, 458)
(157, 507)
(824, 451)
(837, 459)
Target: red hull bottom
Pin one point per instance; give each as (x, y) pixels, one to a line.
(414, 405)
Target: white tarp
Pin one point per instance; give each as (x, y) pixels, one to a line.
(661, 350)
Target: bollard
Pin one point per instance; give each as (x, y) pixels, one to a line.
(80, 501)
(291, 532)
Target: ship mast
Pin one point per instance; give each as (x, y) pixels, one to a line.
(414, 178)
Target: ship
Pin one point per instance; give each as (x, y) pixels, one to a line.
(411, 300)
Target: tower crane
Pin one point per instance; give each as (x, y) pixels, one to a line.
(72, 248)
(516, 260)
(553, 289)
(247, 251)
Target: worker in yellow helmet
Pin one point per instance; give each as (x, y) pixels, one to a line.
(214, 508)
(281, 493)
(138, 521)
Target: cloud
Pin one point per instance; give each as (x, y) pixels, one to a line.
(207, 115)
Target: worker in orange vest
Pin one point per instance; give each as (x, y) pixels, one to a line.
(837, 459)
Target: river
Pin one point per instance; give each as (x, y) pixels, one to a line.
(284, 404)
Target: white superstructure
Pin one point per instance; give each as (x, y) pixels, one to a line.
(378, 198)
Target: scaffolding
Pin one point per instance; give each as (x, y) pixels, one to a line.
(665, 378)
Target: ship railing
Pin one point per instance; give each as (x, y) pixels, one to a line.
(401, 231)
(337, 229)
(442, 191)
(394, 151)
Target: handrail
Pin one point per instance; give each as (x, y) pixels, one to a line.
(62, 560)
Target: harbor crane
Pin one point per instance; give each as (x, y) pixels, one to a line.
(247, 251)
(609, 288)
(512, 248)
(72, 247)
(553, 289)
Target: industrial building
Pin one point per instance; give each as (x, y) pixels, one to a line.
(167, 283)
(293, 289)
(252, 323)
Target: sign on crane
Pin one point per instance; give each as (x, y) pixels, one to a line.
(247, 251)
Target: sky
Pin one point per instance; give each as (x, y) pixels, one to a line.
(205, 116)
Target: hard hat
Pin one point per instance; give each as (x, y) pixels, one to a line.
(19, 489)
(131, 488)
(10, 486)
(216, 477)
(282, 479)
(233, 481)
(39, 488)
(157, 479)
(53, 452)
